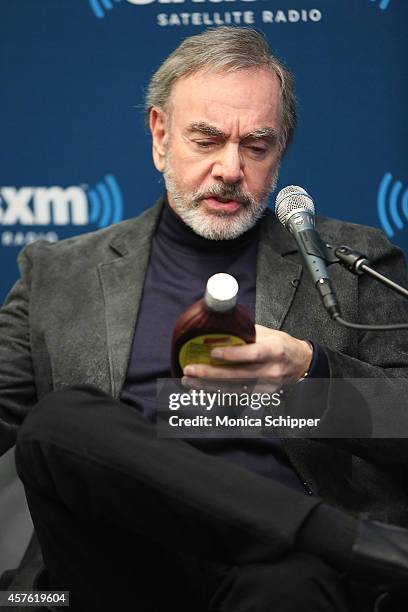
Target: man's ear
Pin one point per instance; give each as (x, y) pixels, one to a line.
(158, 128)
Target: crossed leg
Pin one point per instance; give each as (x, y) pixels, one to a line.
(127, 519)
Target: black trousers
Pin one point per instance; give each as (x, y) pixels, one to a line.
(129, 521)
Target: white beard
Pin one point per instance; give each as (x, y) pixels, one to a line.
(217, 225)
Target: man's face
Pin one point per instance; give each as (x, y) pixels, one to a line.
(219, 149)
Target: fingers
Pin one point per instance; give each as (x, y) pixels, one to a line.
(274, 372)
(201, 370)
(258, 352)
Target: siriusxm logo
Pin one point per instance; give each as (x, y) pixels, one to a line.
(383, 4)
(105, 200)
(392, 202)
(100, 7)
(45, 206)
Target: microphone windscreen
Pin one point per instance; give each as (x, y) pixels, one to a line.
(291, 199)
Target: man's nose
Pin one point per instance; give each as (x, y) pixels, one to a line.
(228, 166)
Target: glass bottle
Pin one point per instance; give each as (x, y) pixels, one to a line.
(213, 321)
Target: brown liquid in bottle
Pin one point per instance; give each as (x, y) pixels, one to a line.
(215, 320)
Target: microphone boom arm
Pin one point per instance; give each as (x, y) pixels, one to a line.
(357, 263)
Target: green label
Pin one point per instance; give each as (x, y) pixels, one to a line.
(198, 349)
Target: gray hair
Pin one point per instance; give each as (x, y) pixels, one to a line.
(227, 49)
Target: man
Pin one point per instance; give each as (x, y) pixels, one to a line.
(128, 520)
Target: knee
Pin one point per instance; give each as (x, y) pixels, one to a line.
(57, 409)
(303, 577)
(61, 419)
(57, 416)
(299, 582)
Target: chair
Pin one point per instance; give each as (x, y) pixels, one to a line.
(19, 547)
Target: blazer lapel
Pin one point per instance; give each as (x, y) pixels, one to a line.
(277, 277)
(122, 281)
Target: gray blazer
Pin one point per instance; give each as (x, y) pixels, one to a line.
(70, 320)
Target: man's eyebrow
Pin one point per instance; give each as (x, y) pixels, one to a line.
(263, 133)
(206, 129)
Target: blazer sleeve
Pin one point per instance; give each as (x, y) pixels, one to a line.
(17, 385)
(374, 398)
(380, 354)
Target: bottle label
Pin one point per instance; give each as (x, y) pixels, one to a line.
(198, 349)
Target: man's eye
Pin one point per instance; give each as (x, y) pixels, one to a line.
(257, 150)
(204, 144)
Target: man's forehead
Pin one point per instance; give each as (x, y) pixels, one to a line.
(206, 96)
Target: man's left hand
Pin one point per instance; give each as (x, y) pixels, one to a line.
(275, 356)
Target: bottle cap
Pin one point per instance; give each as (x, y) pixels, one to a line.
(221, 292)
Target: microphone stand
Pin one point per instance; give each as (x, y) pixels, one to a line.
(357, 263)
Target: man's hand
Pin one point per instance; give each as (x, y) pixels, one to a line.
(275, 356)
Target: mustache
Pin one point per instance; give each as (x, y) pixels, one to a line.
(227, 191)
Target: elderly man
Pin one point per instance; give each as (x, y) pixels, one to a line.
(127, 520)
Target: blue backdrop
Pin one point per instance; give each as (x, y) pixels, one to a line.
(75, 153)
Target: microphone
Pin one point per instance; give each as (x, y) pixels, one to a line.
(295, 210)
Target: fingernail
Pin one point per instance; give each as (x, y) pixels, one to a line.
(189, 370)
(216, 353)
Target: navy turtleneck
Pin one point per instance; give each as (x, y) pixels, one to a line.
(179, 266)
